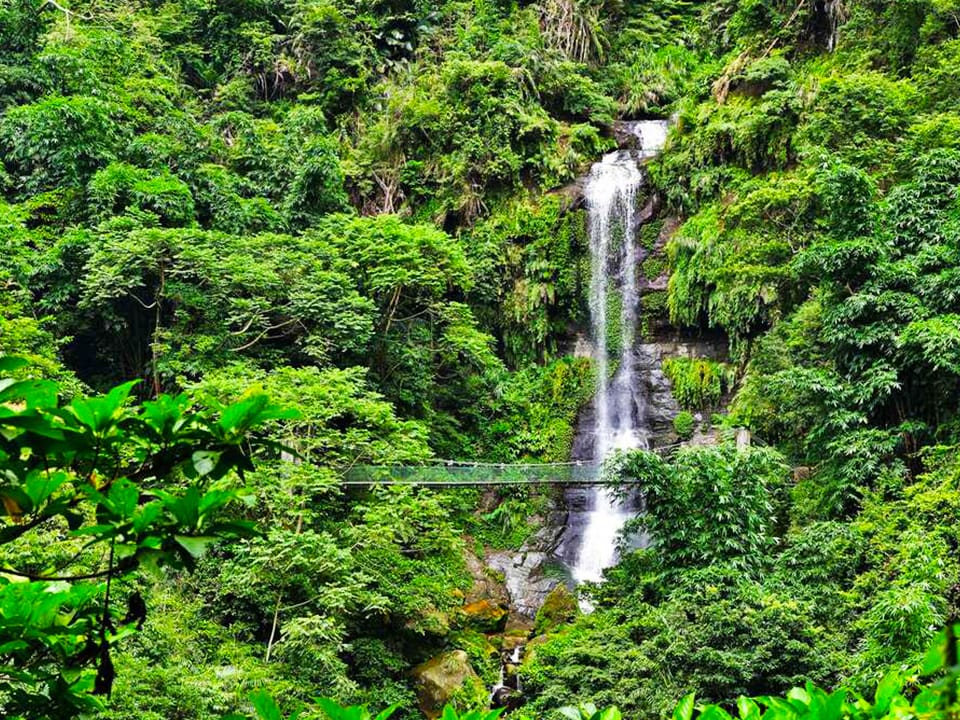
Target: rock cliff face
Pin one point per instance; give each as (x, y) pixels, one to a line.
(533, 572)
(661, 407)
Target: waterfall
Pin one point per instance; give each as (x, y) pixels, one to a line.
(619, 407)
(509, 687)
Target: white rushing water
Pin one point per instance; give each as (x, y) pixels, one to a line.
(502, 691)
(619, 405)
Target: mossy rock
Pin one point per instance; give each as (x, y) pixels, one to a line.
(444, 679)
(654, 268)
(512, 640)
(559, 608)
(486, 615)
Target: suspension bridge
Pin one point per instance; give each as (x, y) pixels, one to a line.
(468, 473)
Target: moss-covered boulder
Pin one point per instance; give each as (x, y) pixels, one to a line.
(559, 608)
(443, 679)
(486, 615)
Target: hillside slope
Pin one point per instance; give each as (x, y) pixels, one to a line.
(370, 210)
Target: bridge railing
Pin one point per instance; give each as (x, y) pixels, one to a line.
(459, 473)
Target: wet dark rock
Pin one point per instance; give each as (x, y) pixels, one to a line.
(532, 572)
(505, 697)
(571, 195)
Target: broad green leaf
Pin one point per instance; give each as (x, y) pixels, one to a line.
(333, 710)
(387, 712)
(887, 690)
(9, 363)
(166, 414)
(250, 412)
(195, 545)
(31, 422)
(101, 413)
(40, 485)
(936, 657)
(800, 699)
(123, 498)
(832, 708)
(204, 461)
(610, 713)
(713, 712)
(185, 508)
(146, 515)
(103, 531)
(265, 706)
(12, 646)
(777, 708)
(213, 500)
(684, 708)
(928, 701)
(747, 708)
(32, 393)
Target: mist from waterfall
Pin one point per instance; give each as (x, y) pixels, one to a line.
(619, 412)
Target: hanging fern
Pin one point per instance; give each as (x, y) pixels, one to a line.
(697, 382)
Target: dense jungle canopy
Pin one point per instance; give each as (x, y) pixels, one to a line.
(247, 245)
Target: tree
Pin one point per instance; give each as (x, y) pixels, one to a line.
(93, 491)
(709, 505)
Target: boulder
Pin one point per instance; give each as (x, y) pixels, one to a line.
(515, 637)
(507, 698)
(486, 615)
(442, 678)
(558, 609)
(488, 584)
(528, 573)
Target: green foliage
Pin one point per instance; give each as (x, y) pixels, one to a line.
(589, 711)
(266, 708)
(60, 140)
(859, 117)
(698, 383)
(121, 188)
(684, 424)
(529, 274)
(536, 413)
(127, 487)
(937, 697)
(710, 504)
(357, 207)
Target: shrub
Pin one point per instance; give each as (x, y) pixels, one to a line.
(683, 424)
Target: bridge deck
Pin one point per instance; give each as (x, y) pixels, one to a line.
(458, 473)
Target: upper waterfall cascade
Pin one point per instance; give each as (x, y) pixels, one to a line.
(619, 408)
